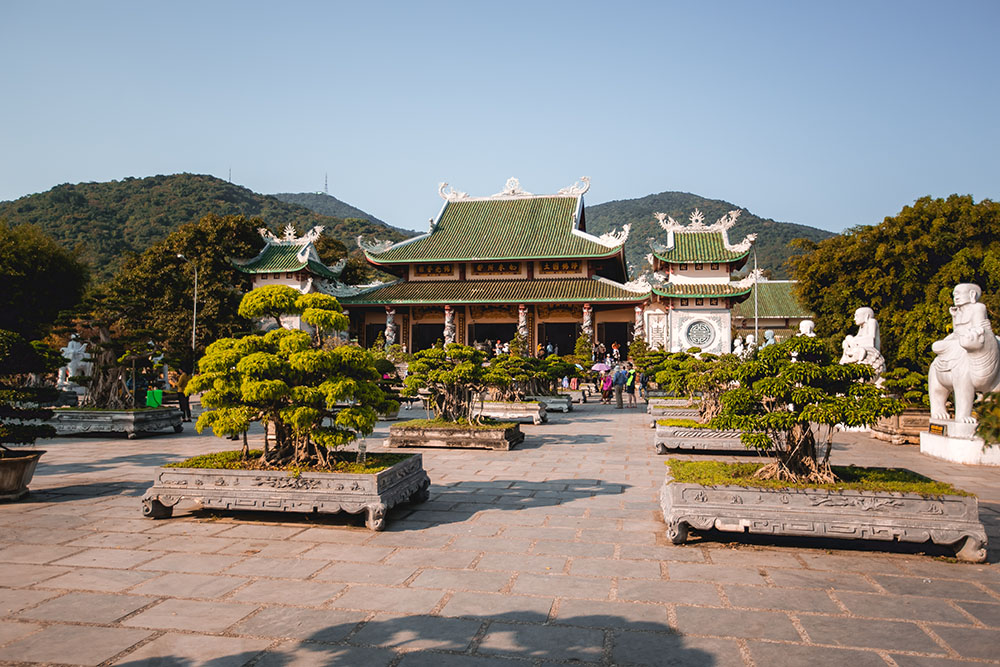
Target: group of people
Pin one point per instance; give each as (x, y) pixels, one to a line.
(620, 382)
(547, 349)
(600, 353)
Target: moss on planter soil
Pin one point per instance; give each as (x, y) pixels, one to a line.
(461, 424)
(895, 480)
(681, 423)
(340, 461)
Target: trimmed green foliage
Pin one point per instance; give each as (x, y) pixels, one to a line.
(313, 399)
(453, 375)
(339, 462)
(19, 404)
(988, 413)
(681, 423)
(894, 480)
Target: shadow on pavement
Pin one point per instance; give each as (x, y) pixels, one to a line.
(334, 637)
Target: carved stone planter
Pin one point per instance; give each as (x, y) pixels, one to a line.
(696, 440)
(16, 470)
(559, 402)
(132, 423)
(511, 411)
(660, 408)
(280, 491)
(902, 429)
(853, 515)
(402, 435)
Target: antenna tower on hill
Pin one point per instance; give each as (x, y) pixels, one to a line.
(326, 189)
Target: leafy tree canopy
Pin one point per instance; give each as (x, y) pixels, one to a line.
(905, 269)
(452, 374)
(313, 398)
(40, 278)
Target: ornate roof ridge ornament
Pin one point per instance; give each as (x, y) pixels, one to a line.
(373, 247)
(640, 284)
(750, 280)
(289, 236)
(578, 188)
(742, 246)
(697, 222)
(512, 188)
(452, 194)
(613, 239)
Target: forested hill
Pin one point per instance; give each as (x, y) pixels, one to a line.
(110, 220)
(325, 204)
(772, 237)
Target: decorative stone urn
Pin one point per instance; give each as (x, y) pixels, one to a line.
(403, 435)
(950, 520)
(17, 467)
(281, 491)
(132, 423)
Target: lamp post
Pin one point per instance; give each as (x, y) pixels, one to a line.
(194, 311)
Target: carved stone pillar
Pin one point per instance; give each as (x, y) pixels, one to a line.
(588, 320)
(638, 331)
(522, 321)
(449, 325)
(390, 326)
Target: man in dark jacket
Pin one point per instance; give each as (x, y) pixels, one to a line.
(620, 378)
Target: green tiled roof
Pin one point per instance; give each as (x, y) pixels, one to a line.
(577, 290)
(519, 228)
(283, 258)
(700, 290)
(698, 247)
(774, 299)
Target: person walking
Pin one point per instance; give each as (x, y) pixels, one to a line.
(607, 382)
(630, 385)
(183, 400)
(619, 385)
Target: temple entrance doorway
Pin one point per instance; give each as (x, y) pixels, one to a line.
(562, 335)
(492, 331)
(371, 333)
(425, 335)
(615, 332)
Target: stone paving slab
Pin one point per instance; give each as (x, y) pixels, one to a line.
(544, 555)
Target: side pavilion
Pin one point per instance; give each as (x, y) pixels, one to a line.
(494, 266)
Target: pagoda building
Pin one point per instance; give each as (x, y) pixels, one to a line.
(692, 288)
(293, 261)
(492, 267)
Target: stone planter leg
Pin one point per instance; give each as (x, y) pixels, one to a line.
(677, 533)
(971, 550)
(422, 494)
(154, 509)
(376, 517)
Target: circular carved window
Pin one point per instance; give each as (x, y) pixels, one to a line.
(700, 333)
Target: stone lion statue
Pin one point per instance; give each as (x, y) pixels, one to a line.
(968, 359)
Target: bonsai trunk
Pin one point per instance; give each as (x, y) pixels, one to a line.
(797, 459)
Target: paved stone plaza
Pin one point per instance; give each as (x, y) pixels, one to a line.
(552, 553)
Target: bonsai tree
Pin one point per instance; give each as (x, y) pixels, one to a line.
(452, 374)
(785, 392)
(512, 377)
(312, 397)
(19, 404)
(908, 386)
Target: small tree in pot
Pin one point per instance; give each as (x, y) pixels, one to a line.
(453, 376)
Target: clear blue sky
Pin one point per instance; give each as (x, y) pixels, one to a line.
(830, 114)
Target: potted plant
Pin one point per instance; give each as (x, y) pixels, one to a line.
(20, 414)
(786, 393)
(910, 387)
(451, 378)
(314, 396)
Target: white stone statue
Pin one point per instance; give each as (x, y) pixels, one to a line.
(75, 352)
(749, 347)
(768, 338)
(866, 346)
(807, 328)
(449, 325)
(738, 346)
(637, 327)
(968, 359)
(390, 326)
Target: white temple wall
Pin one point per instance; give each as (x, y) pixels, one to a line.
(705, 328)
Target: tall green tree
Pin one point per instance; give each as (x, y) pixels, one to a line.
(905, 269)
(40, 278)
(152, 295)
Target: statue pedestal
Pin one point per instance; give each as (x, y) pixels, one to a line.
(957, 442)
